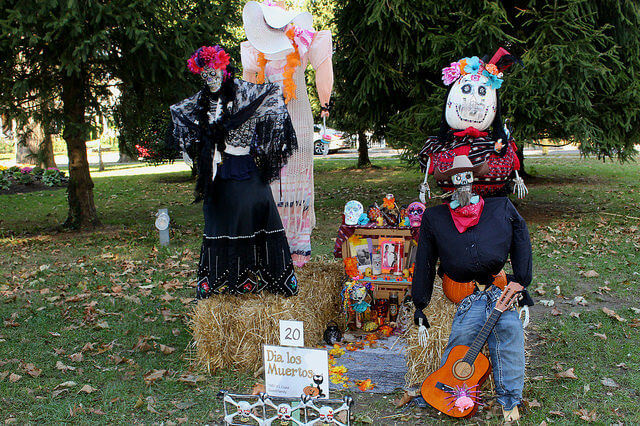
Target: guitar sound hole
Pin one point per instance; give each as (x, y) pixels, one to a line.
(462, 370)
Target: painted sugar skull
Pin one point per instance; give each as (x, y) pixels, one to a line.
(472, 102)
(352, 211)
(213, 77)
(244, 409)
(326, 415)
(284, 412)
(414, 212)
(358, 293)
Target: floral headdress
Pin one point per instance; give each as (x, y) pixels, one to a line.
(493, 69)
(209, 56)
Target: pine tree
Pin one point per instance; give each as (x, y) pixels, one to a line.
(579, 81)
(70, 52)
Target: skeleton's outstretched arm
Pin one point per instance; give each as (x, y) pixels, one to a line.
(519, 188)
(424, 186)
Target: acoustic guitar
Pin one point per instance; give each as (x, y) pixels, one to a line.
(454, 388)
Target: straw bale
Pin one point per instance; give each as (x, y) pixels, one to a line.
(229, 331)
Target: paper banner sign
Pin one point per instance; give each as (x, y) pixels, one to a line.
(291, 372)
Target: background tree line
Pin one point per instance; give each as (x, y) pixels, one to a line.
(579, 81)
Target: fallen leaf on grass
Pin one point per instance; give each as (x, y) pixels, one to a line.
(612, 314)
(555, 312)
(622, 365)
(579, 300)
(60, 366)
(557, 413)
(586, 388)
(32, 370)
(87, 389)
(533, 403)
(590, 274)
(102, 325)
(184, 405)
(167, 297)
(193, 379)
(13, 377)
(610, 383)
(403, 400)
(586, 416)
(143, 345)
(167, 350)
(574, 314)
(77, 357)
(154, 375)
(151, 402)
(568, 374)
(602, 336)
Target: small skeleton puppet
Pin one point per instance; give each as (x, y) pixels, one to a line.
(462, 174)
(390, 210)
(327, 414)
(244, 410)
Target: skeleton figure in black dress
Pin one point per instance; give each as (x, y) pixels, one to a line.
(239, 135)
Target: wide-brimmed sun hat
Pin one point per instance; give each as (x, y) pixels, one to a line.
(264, 26)
(461, 163)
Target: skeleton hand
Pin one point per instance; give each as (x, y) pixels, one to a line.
(424, 188)
(519, 188)
(422, 322)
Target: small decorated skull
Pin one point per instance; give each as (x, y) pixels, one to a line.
(244, 409)
(326, 415)
(284, 412)
(352, 211)
(213, 78)
(414, 212)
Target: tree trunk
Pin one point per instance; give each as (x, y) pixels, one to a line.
(82, 210)
(34, 145)
(363, 151)
(125, 155)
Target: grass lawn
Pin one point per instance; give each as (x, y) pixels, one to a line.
(90, 319)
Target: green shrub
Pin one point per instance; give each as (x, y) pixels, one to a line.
(53, 177)
(5, 183)
(23, 176)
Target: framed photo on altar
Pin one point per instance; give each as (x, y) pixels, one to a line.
(392, 250)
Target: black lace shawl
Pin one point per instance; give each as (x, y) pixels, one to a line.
(252, 115)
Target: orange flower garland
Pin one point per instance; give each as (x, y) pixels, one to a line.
(293, 61)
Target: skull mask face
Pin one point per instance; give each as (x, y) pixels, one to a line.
(352, 211)
(284, 412)
(326, 415)
(244, 408)
(213, 78)
(471, 103)
(463, 183)
(414, 212)
(358, 293)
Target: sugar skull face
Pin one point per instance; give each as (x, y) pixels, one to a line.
(462, 179)
(244, 409)
(326, 415)
(358, 293)
(414, 212)
(213, 78)
(284, 412)
(352, 211)
(471, 103)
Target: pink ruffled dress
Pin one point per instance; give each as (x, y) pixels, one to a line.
(293, 192)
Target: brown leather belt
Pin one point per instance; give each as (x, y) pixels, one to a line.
(456, 291)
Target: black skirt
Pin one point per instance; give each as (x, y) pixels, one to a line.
(245, 248)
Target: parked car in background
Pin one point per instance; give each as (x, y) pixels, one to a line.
(337, 140)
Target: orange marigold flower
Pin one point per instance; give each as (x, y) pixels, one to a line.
(491, 69)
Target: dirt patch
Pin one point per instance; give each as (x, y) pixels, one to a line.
(18, 188)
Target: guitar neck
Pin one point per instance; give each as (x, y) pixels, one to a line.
(482, 337)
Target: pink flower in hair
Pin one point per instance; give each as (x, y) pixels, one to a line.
(193, 67)
(221, 60)
(451, 73)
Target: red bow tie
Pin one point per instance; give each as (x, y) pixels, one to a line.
(470, 131)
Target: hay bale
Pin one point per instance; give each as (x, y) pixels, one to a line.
(422, 361)
(229, 331)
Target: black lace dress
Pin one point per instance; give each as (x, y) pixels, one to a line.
(247, 127)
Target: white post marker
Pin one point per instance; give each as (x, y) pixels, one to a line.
(291, 333)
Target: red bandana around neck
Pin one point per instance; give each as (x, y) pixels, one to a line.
(471, 131)
(468, 216)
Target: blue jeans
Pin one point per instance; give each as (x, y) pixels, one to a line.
(506, 342)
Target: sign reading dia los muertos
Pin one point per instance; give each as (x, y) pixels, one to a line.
(291, 372)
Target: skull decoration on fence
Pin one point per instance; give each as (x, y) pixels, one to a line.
(352, 211)
(284, 412)
(414, 212)
(326, 415)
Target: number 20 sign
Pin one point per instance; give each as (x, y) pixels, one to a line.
(291, 333)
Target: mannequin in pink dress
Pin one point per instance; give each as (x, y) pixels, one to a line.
(280, 45)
